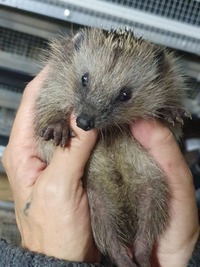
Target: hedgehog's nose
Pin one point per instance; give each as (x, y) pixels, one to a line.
(85, 122)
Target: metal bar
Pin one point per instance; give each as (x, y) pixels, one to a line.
(124, 13)
(97, 13)
(21, 64)
(42, 8)
(109, 9)
(32, 25)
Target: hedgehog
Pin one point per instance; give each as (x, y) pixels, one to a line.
(108, 79)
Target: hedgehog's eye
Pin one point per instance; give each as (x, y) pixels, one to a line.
(125, 95)
(85, 79)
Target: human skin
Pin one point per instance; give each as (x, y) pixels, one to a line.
(174, 248)
(51, 205)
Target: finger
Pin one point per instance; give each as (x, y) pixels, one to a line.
(67, 165)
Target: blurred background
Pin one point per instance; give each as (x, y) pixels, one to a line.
(27, 25)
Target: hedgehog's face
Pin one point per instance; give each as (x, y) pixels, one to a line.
(113, 85)
(98, 109)
(104, 99)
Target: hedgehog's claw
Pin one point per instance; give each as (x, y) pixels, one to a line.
(175, 116)
(58, 132)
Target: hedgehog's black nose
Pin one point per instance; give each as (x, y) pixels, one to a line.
(85, 122)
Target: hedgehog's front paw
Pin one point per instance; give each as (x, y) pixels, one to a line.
(59, 132)
(175, 116)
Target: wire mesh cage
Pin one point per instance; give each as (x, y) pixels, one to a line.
(10, 97)
(172, 23)
(19, 43)
(184, 11)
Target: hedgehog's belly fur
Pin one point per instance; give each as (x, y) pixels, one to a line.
(128, 198)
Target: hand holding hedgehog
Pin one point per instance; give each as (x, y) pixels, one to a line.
(51, 206)
(170, 250)
(109, 79)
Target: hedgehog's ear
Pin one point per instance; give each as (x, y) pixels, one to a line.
(77, 40)
(70, 45)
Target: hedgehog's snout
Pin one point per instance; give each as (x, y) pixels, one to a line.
(85, 122)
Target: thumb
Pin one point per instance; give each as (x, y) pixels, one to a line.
(68, 164)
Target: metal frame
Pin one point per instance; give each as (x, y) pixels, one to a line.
(98, 13)
(33, 25)
(37, 26)
(124, 13)
(18, 63)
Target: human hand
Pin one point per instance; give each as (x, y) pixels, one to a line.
(50, 203)
(175, 246)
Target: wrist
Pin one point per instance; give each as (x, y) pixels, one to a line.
(179, 257)
(89, 254)
(74, 243)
